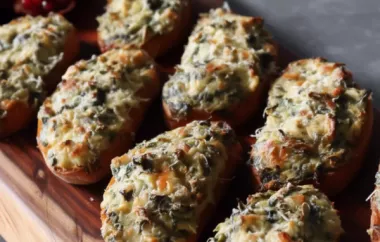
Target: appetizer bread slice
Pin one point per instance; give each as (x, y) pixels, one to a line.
(294, 213)
(374, 231)
(166, 188)
(317, 130)
(154, 25)
(34, 53)
(223, 72)
(93, 114)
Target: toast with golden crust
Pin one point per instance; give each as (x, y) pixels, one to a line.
(224, 72)
(165, 189)
(94, 113)
(293, 213)
(155, 26)
(317, 130)
(34, 53)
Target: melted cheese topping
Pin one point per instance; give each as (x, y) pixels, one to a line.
(30, 47)
(163, 185)
(91, 107)
(294, 213)
(138, 21)
(224, 62)
(315, 115)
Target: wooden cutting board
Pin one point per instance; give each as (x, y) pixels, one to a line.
(36, 206)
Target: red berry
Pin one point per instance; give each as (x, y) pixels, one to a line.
(37, 3)
(36, 7)
(28, 4)
(47, 6)
(32, 6)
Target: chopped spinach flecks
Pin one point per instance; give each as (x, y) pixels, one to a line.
(314, 119)
(161, 186)
(298, 212)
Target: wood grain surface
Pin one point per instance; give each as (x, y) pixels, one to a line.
(36, 206)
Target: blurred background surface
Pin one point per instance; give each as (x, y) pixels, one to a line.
(345, 31)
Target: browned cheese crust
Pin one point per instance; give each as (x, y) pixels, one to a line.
(317, 130)
(94, 113)
(34, 53)
(166, 189)
(155, 26)
(224, 72)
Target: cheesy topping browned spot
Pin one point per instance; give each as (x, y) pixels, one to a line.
(30, 47)
(315, 115)
(225, 61)
(294, 213)
(91, 107)
(162, 185)
(136, 22)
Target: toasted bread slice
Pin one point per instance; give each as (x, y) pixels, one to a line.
(166, 188)
(94, 113)
(34, 53)
(294, 213)
(224, 72)
(318, 128)
(155, 26)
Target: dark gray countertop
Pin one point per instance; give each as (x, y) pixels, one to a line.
(345, 31)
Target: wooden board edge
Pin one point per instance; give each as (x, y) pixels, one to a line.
(24, 205)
